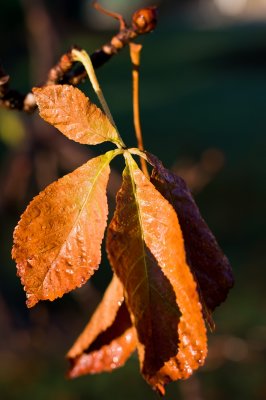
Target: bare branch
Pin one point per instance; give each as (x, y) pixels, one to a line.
(68, 71)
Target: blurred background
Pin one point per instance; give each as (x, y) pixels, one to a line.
(203, 101)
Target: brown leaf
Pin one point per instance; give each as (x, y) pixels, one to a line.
(145, 248)
(57, 243)
(109, 338)
(70, 111)
(209, 265)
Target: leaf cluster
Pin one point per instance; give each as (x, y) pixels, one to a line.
(169, 273)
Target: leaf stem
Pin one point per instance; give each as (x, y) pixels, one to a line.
(138, 152)
(83, 57)
(135, 50)
(115, 152)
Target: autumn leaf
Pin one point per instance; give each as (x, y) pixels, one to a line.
(70, 111)
(209, 265)
(57, 243)
(108, 339)
(145, 248)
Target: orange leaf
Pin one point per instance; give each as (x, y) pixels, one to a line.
(209, 265)
(108, 339)
(70, 111)
(145, 248)
(57, 243)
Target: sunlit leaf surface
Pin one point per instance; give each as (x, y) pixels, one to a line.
(70, 111)
(57, 243)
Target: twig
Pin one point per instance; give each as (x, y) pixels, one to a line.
(66, 70)
(112, 14)
(135, 50)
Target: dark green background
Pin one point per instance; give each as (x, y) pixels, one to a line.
(201, 88)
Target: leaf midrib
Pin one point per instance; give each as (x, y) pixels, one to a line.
(131, 173)
(150, 287)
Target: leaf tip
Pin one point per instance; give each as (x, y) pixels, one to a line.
(32, 300)
(160, 389)
(71, 372)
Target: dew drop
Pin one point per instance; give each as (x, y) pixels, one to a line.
(128, 337)
(69, 271)
(82, 281)
(115, 359)
(185, 340)
(189, 370)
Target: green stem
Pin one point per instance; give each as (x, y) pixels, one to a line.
(138, 152)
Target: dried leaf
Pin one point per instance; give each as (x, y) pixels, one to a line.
(209, 265)
(57, 243)
(108, 339)
(70, 111)
(145, 248)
